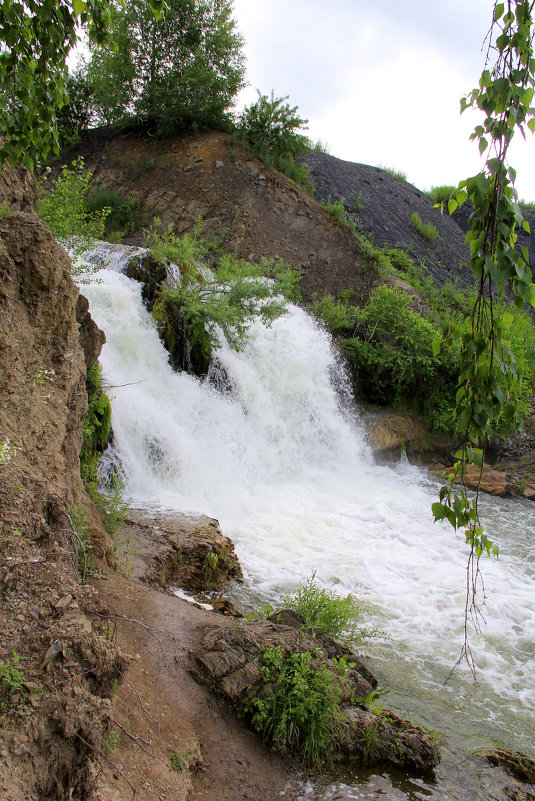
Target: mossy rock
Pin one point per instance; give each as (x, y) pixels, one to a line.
(148, 272)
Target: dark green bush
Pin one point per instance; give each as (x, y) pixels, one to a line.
(273, 129)
(392, 354)
(123, 214)
(300, 711)
(96, 427)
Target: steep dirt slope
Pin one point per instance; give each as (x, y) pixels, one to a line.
(253, 211)
(56, 667)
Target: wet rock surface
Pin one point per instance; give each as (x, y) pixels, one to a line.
(230, 661)
(181, 550)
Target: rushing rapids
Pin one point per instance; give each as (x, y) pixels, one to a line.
(276, 452)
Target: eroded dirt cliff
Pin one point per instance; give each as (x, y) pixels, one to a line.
(57, 668)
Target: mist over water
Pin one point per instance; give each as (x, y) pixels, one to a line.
(277, 454)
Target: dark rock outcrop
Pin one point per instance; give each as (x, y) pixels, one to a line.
(382, 205)
(230, 661)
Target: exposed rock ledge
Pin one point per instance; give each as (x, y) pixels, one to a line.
(392, 432)
(230, 661)
(181, 550)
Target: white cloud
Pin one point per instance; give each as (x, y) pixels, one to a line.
(380, 82)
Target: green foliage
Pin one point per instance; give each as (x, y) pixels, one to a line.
(179, 71)
(97, 423)
(337, 315)
(441, 194)
(179, 762)
(7, 451)
(12, 681)
(107, 498)
(428, 231)
(273, 129)
(338, 210)
(398, 174)
(122, 214)
(80, 543)
(392, 354)
(488, 376)
(62, 206)
(299, 709)
(36, 38)
(325, 611)
(204, 299)
(110, 741)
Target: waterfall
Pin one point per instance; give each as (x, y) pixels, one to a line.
(279, 457)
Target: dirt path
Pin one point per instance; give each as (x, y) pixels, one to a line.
(169, 713)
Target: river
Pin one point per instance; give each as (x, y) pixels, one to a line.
(277, 453)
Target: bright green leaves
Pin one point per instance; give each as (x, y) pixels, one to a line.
(61, 204)
(223, 296)
(490, 392)
(38, 35)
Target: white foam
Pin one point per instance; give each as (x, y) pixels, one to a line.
(287, 472)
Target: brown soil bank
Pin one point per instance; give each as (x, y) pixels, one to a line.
(253, 211)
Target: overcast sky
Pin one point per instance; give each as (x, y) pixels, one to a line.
(380, 81)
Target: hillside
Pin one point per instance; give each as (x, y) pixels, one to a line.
(249, 209)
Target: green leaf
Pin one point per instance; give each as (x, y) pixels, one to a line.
(531, 124)
(462, 196)
(530, 294)
(498, 11)
(452, 205)
(78, 6)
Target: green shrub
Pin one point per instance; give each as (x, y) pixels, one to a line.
(273, 129)
(325, 611)
(12, 680)
(97, 423)
(62, 206)
(337, 315)
(122, 215)
(300, 708)
(441, 194)
(392, 354)
(227, 295)
(428, 231)
(180, 762)
(338, 210)
(398, 174)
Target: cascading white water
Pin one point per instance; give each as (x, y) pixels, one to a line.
(286, 470)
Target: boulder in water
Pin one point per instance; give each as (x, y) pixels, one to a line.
(231, 661)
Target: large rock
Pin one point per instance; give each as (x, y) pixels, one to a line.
(181, 550)
(230, 661)
(392, 432)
